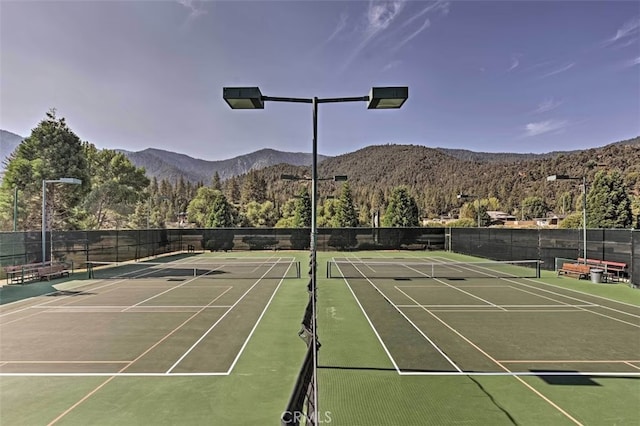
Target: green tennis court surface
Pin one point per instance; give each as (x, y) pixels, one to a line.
(212, 339)
(478, 344)
(156, 343)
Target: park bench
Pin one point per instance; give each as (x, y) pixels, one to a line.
(52, 271)
(611, 268)
(579, 270)
(19, 274)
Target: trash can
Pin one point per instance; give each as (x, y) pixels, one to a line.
(596, 276)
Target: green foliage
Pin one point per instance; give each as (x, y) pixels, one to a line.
(221, 215)
(260, 215)
(215, 182)
(200, 207)
(287, 215)
(573, 221)
(254, 188)
(402, 210)
(608, 204)
(463, 223)
(345, 215)
(116, 186)
(327, 213)
(51, 152)
(302, 215)
(534, 207)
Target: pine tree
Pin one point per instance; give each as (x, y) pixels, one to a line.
(346, 216)
(51, 152)
(215, 182)
(221, 215)
(608, 204)
(402, 210)
(302, 215)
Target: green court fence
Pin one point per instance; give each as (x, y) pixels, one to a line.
(621, 245)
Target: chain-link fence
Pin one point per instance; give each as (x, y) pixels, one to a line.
(79, 247)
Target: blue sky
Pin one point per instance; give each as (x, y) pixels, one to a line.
(503, 76)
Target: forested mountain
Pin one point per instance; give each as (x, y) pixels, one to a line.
(435, 178)
(170, 165)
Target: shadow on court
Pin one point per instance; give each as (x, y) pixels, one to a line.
(14, 293)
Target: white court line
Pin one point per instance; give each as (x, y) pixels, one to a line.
(458, 289)
(217, 322)
(572, 298)
(409, 373)
(440, 351)
(534, 390)
(491, 307)
(233, 364)
(126, 306)
(629, 363)
(169, 289)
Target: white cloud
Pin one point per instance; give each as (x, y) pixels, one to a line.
(541, 127)
(193, 7)
(559, 70)
(392, 64)
(628, 34)
(547, 105)
(633, 62)
(342, 23)
(629, 28)
(424, 26)
(515, 62)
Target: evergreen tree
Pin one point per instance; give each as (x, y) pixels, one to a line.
(302, 215)
(51, 152)
(221, 215)
(608, 204)
(254, 188)
(346, 213)
(402, 210)
(215, 182)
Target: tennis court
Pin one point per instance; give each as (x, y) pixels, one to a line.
(430, 328)
(184, 320)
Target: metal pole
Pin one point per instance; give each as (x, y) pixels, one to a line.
(314, 246)
(478, 198)
(44, 221)
(15, 209)
(584, 216)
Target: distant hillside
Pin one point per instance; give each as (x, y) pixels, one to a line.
(170, 165)
(435, 177)
(8, 143)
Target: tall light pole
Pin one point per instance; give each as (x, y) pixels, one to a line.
(72, 181)
(252, 98)
(467, 196)
(554, 178)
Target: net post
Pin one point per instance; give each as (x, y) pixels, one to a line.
(538, 268)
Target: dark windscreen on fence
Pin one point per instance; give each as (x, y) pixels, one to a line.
(79, 247)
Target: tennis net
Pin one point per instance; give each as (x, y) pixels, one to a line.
(223, 269)
(448, 270)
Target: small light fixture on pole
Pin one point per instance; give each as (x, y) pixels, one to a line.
(467, 196)
(252, 98)
(554, 178)
(72, 181)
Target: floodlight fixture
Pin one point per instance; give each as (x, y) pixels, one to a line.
(387, 97)
(243, 97)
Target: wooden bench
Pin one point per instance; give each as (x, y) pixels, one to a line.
(579, 270)
(19, 274)
(611, 268)
(52, 271)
